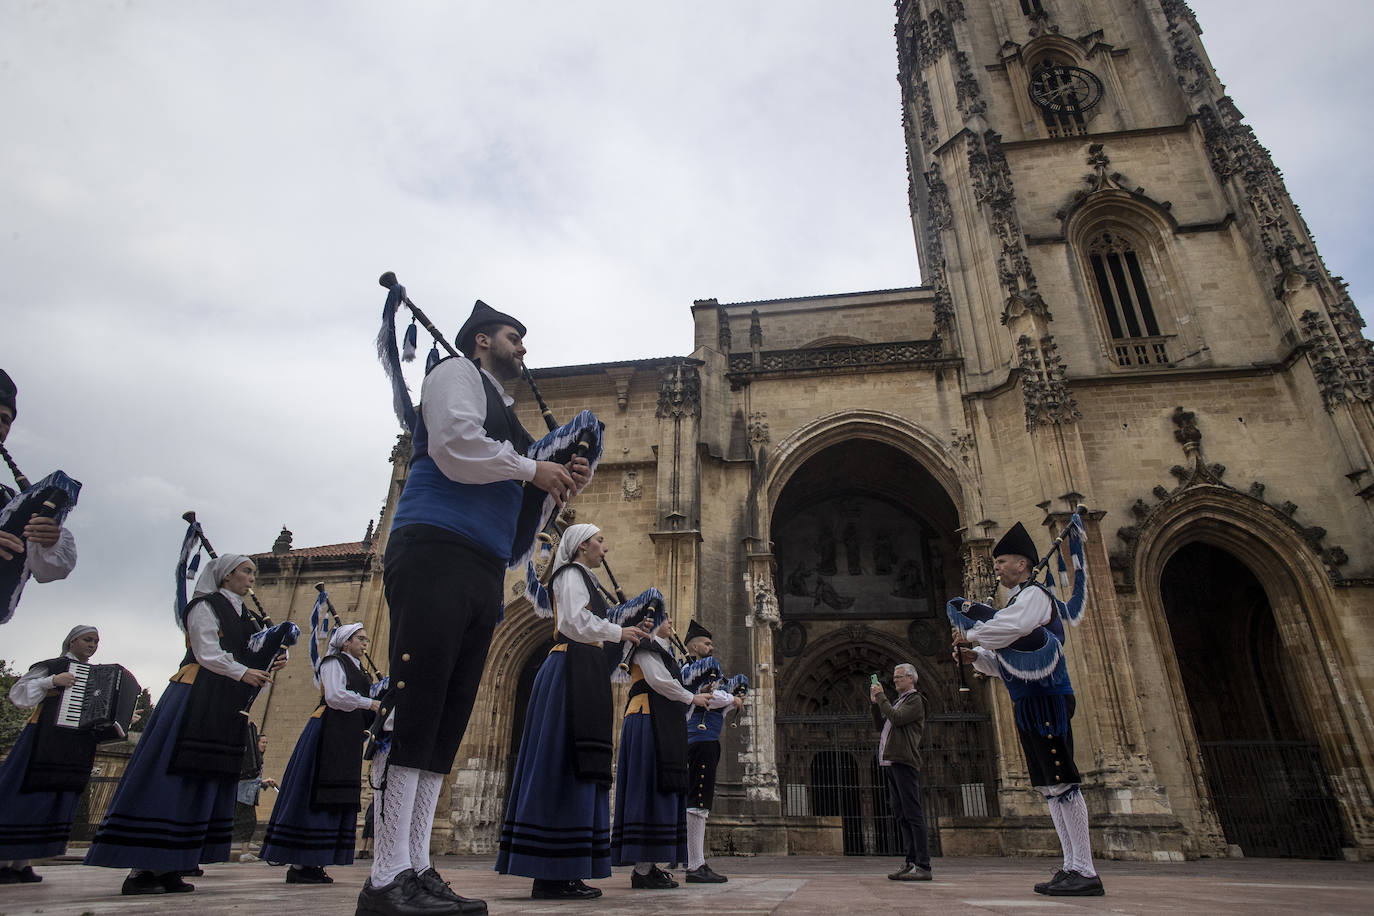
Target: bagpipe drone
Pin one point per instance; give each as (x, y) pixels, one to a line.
(52, 497)
(705, 675)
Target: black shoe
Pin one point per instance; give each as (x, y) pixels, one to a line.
(404, 896)
(196, 872)
(1044, 886)
(562, 890)
(25, 875)
(1076, 885)
(309, 874)
(897, 875)
(171, 883)
(656, 880)
(704, 875)
(142, 882)
(914, 873)
(435, 885)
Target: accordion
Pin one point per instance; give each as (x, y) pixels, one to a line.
(101, 701)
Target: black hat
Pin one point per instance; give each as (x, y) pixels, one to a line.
(482, 316)
(1019, 542)
(694, 630)
(8, 392)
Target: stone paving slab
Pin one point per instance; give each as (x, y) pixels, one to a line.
(785, 885)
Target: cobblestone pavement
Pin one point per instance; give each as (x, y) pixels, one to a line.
(791, 884)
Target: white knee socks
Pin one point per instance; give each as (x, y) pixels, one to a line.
(422, 819)
(392, 825)
(1079, 848)
(696, 837)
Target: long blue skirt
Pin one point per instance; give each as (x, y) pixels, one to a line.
(557, 826)
(298, 833)
(159, 820)
(33, 825)
(650, 826)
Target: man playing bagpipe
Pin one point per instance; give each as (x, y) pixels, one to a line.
(315, 818)
(174, 807)
(453, 535)
(557, 828)
(48, 549)
(703, 746)
(46, 771)
(651, 773)
(1023, 644)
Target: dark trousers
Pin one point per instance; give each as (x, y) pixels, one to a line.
(904, 792)
(445, 597)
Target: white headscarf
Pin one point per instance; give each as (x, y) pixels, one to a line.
(79, 630)
(216, 571)
(342, 635)
(574, 537)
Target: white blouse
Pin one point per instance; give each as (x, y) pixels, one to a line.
(575, 621)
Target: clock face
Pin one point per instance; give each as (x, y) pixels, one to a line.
(1065, 89)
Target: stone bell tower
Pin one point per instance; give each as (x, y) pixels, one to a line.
(1107, 243)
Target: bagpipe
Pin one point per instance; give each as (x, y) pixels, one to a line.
(581, 437)
(1036, 655)
(52, 497)
(705, 675)
(268, 642)
(377, 737)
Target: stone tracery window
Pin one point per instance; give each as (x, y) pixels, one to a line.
(1031, 7)
(1124, 295)
(1067, 123)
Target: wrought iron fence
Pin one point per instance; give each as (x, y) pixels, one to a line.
(1273, 798)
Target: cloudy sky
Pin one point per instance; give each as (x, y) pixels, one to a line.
(196, 199)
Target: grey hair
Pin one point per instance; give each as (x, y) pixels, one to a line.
(908, 668)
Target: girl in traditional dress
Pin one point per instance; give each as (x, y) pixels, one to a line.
(316, 816)
(651, 776)
(47, 769)
(174, 808)
(557, 826)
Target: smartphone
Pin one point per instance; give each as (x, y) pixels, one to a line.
(873, 679)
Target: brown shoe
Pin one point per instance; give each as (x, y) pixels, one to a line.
(915, 873)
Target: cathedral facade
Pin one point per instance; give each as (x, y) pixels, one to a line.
(1122, 309)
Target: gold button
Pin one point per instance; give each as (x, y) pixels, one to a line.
(405, 656)
(400, 685)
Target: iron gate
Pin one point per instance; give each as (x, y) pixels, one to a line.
(829, 768)
(1273, 798)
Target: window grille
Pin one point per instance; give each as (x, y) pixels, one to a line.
(1125, 297)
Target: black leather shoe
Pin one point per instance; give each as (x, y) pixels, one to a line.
(563, 890)
(26, 875)
(435, 885)
(309, 874)
(404, 896)
(704, 875)
(196, 872)
(656, 880)
(1076, 885)
(1044, 886)
(142, 882)
(171, 883)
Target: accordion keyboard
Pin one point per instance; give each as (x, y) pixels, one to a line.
(74, 697)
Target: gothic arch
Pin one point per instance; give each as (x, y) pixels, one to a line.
(836, 654)
(795, 449)
(521, 633)
(1297, 584)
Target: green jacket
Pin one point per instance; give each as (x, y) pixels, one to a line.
(908, 721)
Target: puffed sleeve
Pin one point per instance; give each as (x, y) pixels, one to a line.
(657, 677)
(30, 689)
(575, 621)
(202, 627)
(336, 692)
(47, 564)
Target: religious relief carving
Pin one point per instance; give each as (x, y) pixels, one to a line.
(1199, 473)
(830, 358)
(1046, 393)
(766, 603)
(758, 429)
(968, 97)
(963, 444)
(631, 487)
(679, 392)
(978, 579)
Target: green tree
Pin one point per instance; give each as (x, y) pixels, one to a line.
(143, 708)
(12, 718)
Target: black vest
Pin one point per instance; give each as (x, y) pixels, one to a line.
(339, 755)
(587, 685)
(668, 718)
(214, 724)
(234, 627)
(62, 757)
(500, 422)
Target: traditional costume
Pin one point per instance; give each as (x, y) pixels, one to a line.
(557, 828)
(315, 818)
(1023, 644)
(249, 789)
(44, 774)
(444, 571)
(651, 773)
(703, 757)
(174, 807)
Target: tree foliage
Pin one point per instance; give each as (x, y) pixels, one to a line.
(12, 718)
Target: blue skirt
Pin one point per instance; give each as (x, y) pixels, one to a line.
(33, 825)
(557, 826)
(650, 826)
(163, 821)
(298, 833)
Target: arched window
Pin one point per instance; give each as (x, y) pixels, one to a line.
(1050, 79)
(1124, 294)
(1031, 7)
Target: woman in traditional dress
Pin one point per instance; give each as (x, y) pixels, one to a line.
(46, 771)
(174, 808)
(557, 826)
(651, 775)
(315, 819)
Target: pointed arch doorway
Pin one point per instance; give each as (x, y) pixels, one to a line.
(1260, 755)
(866, 543)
